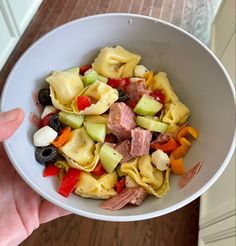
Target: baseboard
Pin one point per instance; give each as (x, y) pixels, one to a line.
(222, 231)
(217, 214)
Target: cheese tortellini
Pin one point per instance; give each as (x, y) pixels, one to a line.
(116, 62)
(64, 86)
(175, 112)
(97, 188)
(101, 95)
(141, 170)
(80, 151)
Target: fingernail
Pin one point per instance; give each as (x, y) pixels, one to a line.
(10, 115)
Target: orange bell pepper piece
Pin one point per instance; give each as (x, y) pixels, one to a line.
(62, 138)
(149, 78)
(184, 132)
(177, 165)
(176, 160)
(168, 147)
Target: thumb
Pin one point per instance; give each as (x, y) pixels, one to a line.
(9, 122)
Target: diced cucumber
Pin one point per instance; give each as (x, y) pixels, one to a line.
(96, 131)
(102, 78)
(73, 69)
(151, 124)
(152, 117)
(69, 119)
(109, 158)
(90, 76)
(100, 119)
(147, 105)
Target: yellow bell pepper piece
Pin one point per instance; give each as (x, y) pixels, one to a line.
(149, 77)
(185, 132)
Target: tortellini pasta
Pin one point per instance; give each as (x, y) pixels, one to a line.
(64, 86)
(141, 170)
(101, 95)
(175, 112)
(116, 62)
(80, 151)
(97, 188)
(161, 82)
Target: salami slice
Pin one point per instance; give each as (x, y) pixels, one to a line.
(185, 178)
(119, 201)
(36, 102)
(129, 195)
(139, 196)
(34, 119)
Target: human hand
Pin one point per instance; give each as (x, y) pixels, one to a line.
(21, 209)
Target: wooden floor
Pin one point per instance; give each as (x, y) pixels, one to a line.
(179, 228)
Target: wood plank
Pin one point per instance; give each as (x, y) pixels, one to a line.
(68, 11)
(136, 6)
(125, 6)
(146, 7)
(177, 13)
(113, 6)
(157, 7)
(167, 10)
(175, 229)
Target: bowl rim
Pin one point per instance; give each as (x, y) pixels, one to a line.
(121, 218)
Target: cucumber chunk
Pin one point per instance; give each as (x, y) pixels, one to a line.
(96, 131)
(147, 105)
(90, 76)
(100, 119)
(69, 119)
(109, 158)
(151, 124)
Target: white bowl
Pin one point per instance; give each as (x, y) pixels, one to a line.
(196, 74)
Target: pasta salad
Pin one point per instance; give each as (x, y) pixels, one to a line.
(112, 130)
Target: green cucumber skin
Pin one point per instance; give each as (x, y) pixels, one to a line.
(152, 125)
(109, 158)
(90, 77)
(70, 119)
(96, 131)
(147, 106)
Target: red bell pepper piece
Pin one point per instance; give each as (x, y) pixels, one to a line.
(132, 103)
(118, 83)
(69, 181)
(159, 95)
(119, 185)
(84, 68)
(168, 147)
(110, 138)
(83, 102)
(51, 170)
(99, 169)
